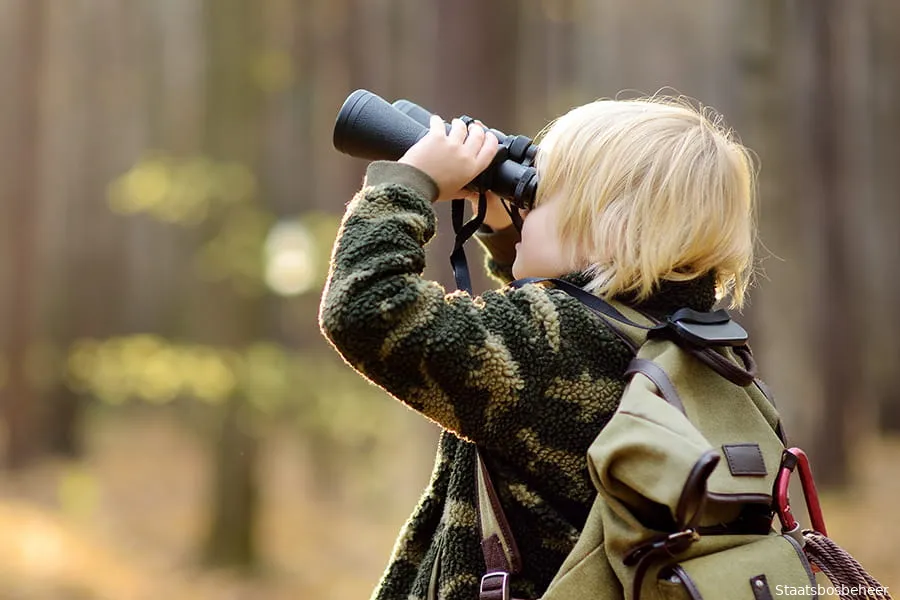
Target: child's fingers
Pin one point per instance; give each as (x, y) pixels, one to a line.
(458, 131)
(475, 140)
(487, 151)
(436, 126)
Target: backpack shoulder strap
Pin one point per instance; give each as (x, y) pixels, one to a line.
(501, 554)
(659, 378)
(630, 325)
(705, 335)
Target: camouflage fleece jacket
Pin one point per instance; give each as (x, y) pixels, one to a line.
(528, 374)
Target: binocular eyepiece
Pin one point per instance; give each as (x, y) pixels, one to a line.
(367, 126)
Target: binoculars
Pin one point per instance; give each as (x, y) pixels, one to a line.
(369, 127)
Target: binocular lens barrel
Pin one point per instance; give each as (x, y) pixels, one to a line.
(413, 110)
(421, 115)
(367, 126)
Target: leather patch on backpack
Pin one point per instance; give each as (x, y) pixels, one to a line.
(744, 459)
(760, 588)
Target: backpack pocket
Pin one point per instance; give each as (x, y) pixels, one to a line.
(771, 567)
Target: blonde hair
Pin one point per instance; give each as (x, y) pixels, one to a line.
(653, 189)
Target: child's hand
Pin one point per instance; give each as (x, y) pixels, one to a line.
(452, 159)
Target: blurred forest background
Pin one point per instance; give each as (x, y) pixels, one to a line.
(173, 422)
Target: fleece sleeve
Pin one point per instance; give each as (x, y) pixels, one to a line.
(500, 251)
(463, 361)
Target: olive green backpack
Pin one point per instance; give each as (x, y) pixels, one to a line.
(690, 472)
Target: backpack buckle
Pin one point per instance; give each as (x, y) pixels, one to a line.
(494, 586)
(705, 329)
(672, 544)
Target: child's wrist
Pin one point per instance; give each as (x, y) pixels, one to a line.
(387, 172)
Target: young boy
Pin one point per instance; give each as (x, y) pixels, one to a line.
(649, 202)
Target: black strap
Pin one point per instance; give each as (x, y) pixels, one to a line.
(463, 233)
(595, 303)
(693, 495)
(687, 517)
(707, 355)
(514, 215)
(724, 367)
(660, 379)
(644, 555)
(495, 582)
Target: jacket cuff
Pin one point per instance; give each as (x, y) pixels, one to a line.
(390, 172)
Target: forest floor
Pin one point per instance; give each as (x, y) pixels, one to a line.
(126, 523)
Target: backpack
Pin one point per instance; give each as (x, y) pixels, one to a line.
(690, 473)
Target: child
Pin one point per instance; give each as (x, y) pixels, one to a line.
(649, 202)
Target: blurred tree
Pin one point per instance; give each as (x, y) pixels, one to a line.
(21, 135)
(760, 116)
(532, 64)
(329, 65)
(232, 132)
(85, 267)
(477, 57)
(885, 120)
(563, 75)
(862, 216)
(838, 324)
(777, 316)
(329, 78)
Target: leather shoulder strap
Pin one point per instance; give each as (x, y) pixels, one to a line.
(500, 550)
(501, 555)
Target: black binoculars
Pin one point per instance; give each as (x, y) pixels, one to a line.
(367, 126)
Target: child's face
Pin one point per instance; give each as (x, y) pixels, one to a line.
(540, 253)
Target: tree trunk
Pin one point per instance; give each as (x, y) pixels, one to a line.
(885, 119)
(231, 539)
(21, 197)
(476, 75)
(777, 315)
(232, 132)
(62, 429)
(837, 331)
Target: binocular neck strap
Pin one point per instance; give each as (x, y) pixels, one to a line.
(464, 231)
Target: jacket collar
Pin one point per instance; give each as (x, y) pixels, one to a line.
(698, 294)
